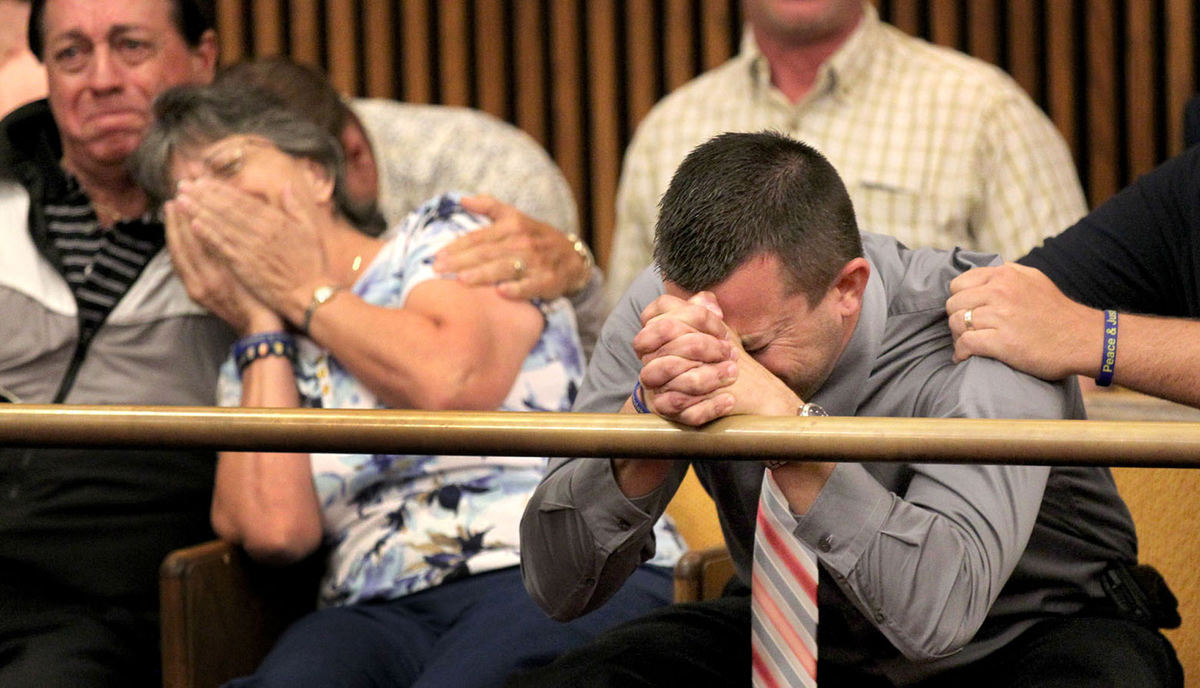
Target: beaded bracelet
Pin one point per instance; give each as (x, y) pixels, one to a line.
(636, 398)
(249, 349)
(1108, 354)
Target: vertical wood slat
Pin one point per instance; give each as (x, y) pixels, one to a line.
(679, 48)
(943, 23)
(1141, 132)
(717, 45)
(529, 27)
(491, 57)
(380, 49)
(1104, 152)
(1023, 57)
(1180, 67)
(417, 61)
(983, 36)
(1060, 72)
(603, 105)
(341, 23)
(231, 30)
(454, 41)
(268, 27)
(1069, 55)
(567, 144)
(641, 54)
(304, 32)
(906, 16)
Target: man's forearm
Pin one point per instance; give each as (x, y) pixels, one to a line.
(1157, 356)
(580, 538)
(639, 477)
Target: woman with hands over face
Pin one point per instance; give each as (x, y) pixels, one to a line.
(331, 317)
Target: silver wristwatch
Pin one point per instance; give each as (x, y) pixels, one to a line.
(811, 409)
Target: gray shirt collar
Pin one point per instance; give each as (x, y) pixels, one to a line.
(846, 386)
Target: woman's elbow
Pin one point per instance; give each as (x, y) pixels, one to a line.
(277, 542)
(278, 551)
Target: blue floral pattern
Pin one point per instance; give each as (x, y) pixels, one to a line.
(397, 524)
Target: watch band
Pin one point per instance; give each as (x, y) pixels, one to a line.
(811, 409)
(321, 296)
(585, 254)
(808, 409)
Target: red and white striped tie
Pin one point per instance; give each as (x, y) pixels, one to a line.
(783, 602)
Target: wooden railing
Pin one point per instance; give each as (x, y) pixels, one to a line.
(924, 440)
(1162, 500)
(580, 74)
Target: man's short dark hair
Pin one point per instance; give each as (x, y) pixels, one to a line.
(741, 195)
(191, 17)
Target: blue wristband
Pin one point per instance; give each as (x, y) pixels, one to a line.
(1108, 355)
(249, 349)
(636, 398)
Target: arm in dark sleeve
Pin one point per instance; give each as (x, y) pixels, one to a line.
(1137, 251)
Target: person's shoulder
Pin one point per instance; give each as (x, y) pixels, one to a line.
(22, 131)
(918, 279)
(947, 65)
(982, 387)
(446, 207)
(438, 138)
(437, 219)
(707, 90)
(624, 320)
(1183, 168)
(382, 113)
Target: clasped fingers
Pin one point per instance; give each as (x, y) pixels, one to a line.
(687, 376)
(673, 338)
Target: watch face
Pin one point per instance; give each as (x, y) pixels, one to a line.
(811, 409)
(322, 294)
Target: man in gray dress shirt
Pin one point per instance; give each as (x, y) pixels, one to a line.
(931, 575)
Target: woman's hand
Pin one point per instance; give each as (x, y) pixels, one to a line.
(208, 280)
(275, 251)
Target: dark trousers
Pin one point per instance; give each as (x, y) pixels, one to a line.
(55, 643)
(708, 644)
(470, 633)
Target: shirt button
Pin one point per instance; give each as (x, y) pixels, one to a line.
(825, 543)
(589, 581)
(879, 616)
(622, 524)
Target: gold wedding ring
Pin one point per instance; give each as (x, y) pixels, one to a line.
(518, 268)
(968, 320)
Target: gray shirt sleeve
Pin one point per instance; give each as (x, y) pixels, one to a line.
(923, 550)
(590, 310)
(580, 536)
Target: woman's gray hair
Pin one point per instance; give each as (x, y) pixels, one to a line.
(190, 117)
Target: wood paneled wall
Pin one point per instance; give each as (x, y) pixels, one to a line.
(578, 75)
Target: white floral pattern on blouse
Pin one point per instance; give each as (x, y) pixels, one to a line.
(396, 524)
